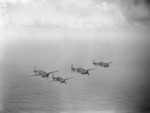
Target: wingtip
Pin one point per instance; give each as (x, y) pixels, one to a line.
(110, 62)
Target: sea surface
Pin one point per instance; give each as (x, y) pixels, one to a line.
(97, 93)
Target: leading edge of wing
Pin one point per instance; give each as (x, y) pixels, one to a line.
(35, 75)
(68, 78)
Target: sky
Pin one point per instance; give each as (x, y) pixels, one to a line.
(74, 14)
(46, 33)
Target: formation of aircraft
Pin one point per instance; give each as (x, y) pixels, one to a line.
(102, 64)
(81, 70)
(59, 79)
(43, 73)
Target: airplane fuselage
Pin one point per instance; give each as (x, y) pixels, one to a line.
(80, 70)
(102, 64)
(59, 79)
(45, 74)
(75, 69)
(42, 73)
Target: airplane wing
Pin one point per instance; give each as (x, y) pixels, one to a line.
(52, 72)
(100, 63)
(68, 78)
(35, 75)
(91, 69)
(109, 62)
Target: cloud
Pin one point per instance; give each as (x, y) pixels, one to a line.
(136, 11)
(89, 112)
(62, 14)
(3, 14)
(75, 14)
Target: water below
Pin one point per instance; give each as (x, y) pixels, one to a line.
(97, 93)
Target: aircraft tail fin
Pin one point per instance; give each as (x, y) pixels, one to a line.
(34, 69)
(71, 65)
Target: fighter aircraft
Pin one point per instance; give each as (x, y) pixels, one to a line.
(59, 79)
(36, 71)
(102, 64)
(43, 73)
(81, 70)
